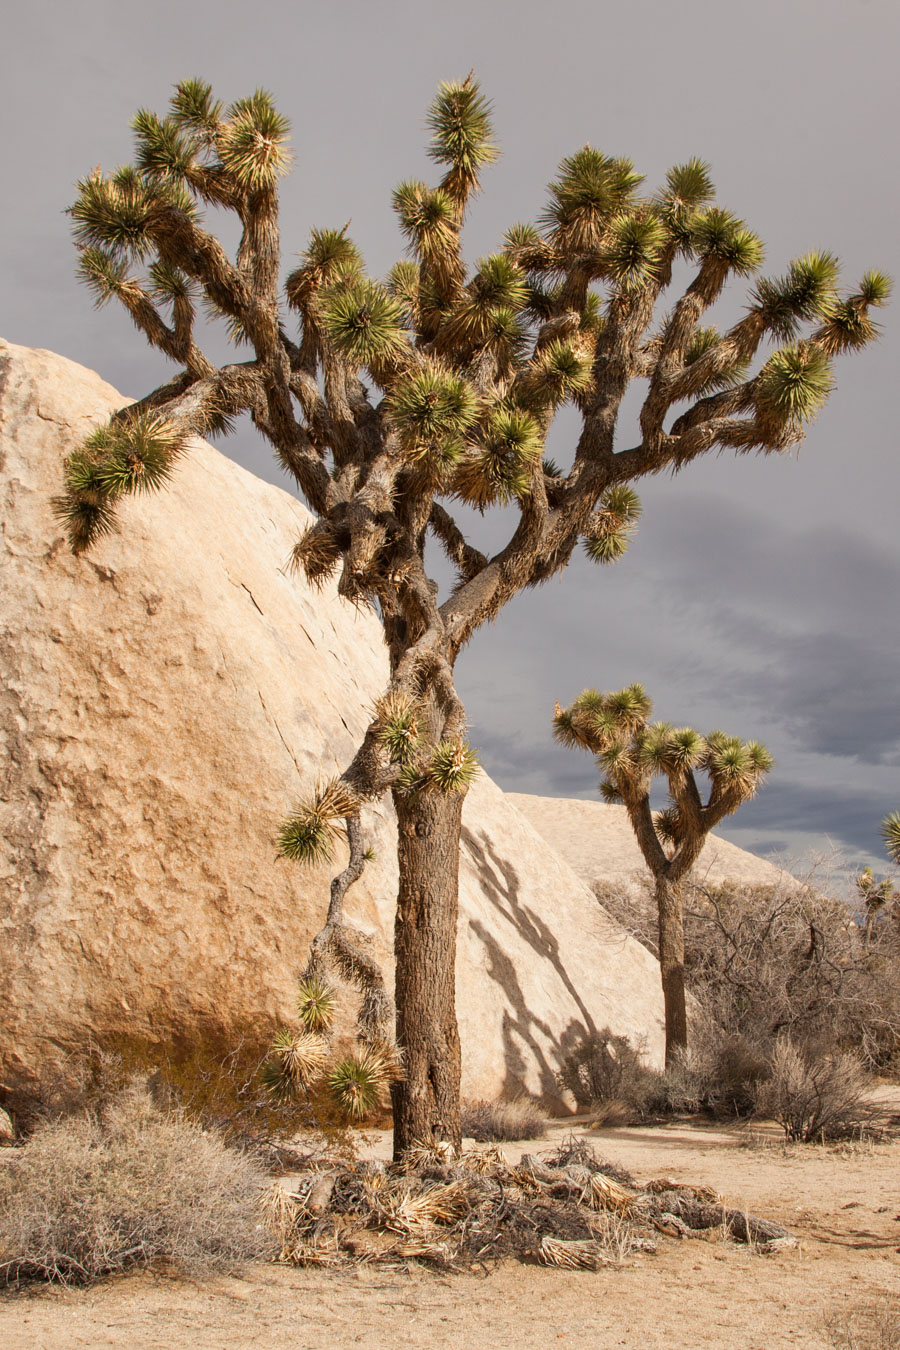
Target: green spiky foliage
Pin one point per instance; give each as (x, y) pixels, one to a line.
(135, 454)
(794, 383)
(631, 751)
(890, 833)
(252, 142)
(453, 767)
(398, 720)
(500, 466)
(460, 123)
(432, 409)
(357, 1084)
(397, 403)
(312, 830)
(364, 323)
(613, 526)
(315, 1004)
(295, 1059)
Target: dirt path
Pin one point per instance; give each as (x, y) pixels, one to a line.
(842, 1204)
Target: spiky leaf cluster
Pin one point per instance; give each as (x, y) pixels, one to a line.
(805, 292)
(688, 186)
(450, 767)
(365, 324)
(398, 722)
(460, 123)
(428, 218)
(591, 189)
(432, 410)
(633, 249)
(453, 767)
(294, 1060)
(560, 371)
(499, 466)
(310, 833)
(357, 1083)
(315, 1004)
(117, 215)
(890, 833)
(718, 234)
(847, 324)
(794, 383)
(612, 528)
(252, 142)
(330, 259)
(135, 453)
(488, 311)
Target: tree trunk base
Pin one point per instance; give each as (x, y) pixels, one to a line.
(426, 1103)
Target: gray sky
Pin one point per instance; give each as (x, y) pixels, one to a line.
(760, 594)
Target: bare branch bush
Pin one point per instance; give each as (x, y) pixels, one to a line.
(606, 1072)
(813, 1096)
(866, 1326)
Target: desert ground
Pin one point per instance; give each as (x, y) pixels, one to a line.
(842, 1203)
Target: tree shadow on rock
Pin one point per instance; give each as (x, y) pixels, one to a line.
(521, 1025)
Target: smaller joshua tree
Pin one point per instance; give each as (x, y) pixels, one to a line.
(874, 896)
(631, 751)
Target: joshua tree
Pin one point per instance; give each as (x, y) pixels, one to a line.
(389, 400)
(875, 895)
(631, 751)
(890, 833)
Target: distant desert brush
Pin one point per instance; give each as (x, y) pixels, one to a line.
(494, 1122)
(98, 1192)
(866, 1326)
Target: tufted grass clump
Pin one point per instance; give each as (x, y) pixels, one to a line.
(496, 1122)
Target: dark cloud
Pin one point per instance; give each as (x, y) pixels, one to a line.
(799, 622)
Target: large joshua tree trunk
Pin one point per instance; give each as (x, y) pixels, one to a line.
(426, 1104)
(670, 917)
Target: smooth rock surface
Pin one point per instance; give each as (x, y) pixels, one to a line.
(163, 701)
(598, 843)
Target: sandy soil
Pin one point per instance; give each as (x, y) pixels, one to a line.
(843, 1204)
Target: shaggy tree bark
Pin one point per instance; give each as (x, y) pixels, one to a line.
(425, 952)
(670, 918)
(392, 400)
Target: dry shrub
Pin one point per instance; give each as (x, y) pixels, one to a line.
(719, 1074)
(867, 1326)
(606, 1074)
(494, 1122)
(812, 1097)
(101, 1191)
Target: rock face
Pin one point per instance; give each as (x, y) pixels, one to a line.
(598, 843)
(163, 701)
